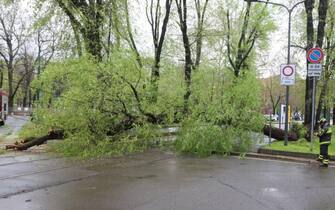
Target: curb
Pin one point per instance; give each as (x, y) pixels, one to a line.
(291, 154)
(281, 158)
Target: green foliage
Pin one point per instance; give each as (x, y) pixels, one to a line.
(225, 111)
(220, 98)
(79, 144)
(203, 139)
(299, 129)
(102, 107)
(171, 88)
(32, 130)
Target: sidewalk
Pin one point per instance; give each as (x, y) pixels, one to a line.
(8, 132)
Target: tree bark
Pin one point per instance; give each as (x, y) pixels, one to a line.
(1, 75)
(30, 142)
(309, 5)
(200, 28)
(327, 71)
(10, 88)
(322, 11)
(158, 40)
(131, 39)
(188, 66)
(324, 87)
(89, 27)
(245, 43)
(77, 37)
(323, 8)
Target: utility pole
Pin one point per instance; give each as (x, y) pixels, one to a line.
(289, 10)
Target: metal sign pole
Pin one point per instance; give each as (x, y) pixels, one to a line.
(287, 87)
(313, 115)
(314, 56)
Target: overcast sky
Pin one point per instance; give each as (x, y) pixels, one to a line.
(276, 55)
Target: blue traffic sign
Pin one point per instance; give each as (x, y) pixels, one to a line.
(315, 55)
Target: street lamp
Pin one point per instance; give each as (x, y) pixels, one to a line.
(289, 10)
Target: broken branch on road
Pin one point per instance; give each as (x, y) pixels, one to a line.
(36, 141)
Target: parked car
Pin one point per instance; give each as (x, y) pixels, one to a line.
(273, 117)
(297, 116)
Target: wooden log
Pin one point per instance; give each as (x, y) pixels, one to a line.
(279, 134)
(30, 142)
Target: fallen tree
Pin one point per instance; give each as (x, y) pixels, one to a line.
(36, 141)
(279, 134)
(25, 144)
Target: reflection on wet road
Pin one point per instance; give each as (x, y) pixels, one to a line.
(160, 180)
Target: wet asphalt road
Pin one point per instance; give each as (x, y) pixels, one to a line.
(160, 180)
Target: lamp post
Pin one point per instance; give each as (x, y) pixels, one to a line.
(289, 10)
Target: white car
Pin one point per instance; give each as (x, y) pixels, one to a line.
(273, 117)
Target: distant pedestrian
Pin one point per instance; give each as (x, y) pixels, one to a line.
(324, 134)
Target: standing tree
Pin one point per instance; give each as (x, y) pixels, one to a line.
(2, 69)
(130, 36)
(188, 66)
(86, 18)
(158, 31)
(28, 75)
(323, 8)
(329, 63)
(254, 28)
(275, 92)
(200, 10)
(12, 38)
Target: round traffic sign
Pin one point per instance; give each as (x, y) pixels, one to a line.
(315, 55)
(288, 71)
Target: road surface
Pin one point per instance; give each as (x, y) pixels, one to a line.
(161, 181)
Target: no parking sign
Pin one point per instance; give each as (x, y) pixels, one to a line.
(287, 74)
(315, 55)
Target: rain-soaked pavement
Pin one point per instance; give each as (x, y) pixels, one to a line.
(8, 133)
(160, 180)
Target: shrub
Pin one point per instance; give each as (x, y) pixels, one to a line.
(299, 129)
(203, 139)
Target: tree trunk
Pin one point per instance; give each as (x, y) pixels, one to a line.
(200, 26)
(323, 7)
(322, 11)
(10, 90)
(1, 78)
(76, 33)
(188, 66)
(158, 41)
(309, 5)
(116, 25)
(89, 27)
(154, 80)
(25, 99)
(30, 142)
(241, 43)
(92, 38)
(30, 101)
(321, 101)
(334, 114)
